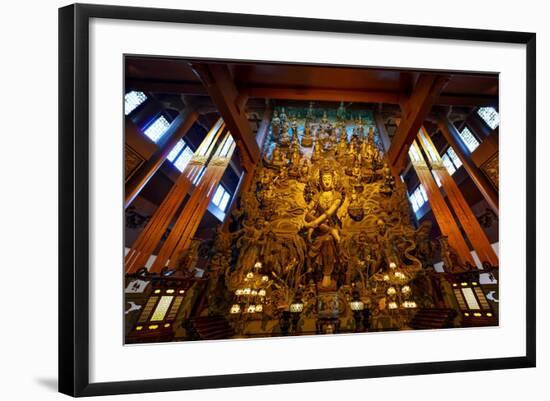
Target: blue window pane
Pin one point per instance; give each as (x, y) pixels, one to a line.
(132, 100)
(490, 116)
(469, 139)
(448, 164)
(183, 159)
(414, 204)
(157, 129)
(454, 157)
(176, 150)
(224, 201)
(218, 195)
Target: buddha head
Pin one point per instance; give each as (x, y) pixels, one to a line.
(327, 179)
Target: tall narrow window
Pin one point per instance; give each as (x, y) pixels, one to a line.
(184, 158)
(221, 198)
(453, 156)
(418, 197)
(157, 129)
(176, 150)
(490, 116)
(132, 100)
(448, 164)
(469, 139)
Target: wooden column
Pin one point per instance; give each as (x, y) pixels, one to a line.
(442, 213)
(263, 130)
(231, 105)
(381, 127)
(148, 240)
(177, 130)
(414, 112)
(452, 136)
(462, 210)
(188, 221)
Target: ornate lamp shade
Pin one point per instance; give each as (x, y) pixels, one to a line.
(296, 307)
(356, 305)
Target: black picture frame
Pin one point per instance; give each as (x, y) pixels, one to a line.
(74, 198)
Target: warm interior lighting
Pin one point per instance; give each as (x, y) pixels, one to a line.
(356, 305)
(153, 327)
(296, 307)
(162, 308)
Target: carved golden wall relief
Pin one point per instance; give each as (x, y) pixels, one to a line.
(490, 168)
(324, 221)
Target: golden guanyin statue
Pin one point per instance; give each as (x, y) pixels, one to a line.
(323, 225)
(323, 219)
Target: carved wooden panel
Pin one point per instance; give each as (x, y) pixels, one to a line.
(490, 169)
(132, 161)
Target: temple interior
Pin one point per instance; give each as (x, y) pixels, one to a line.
(267, 200)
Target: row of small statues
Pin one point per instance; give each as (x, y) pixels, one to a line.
(285, 130)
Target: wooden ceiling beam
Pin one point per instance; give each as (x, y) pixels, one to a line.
(167, 87)
(312, 94)
(467, 100)
(415, 110)
(308, 94)
(217, 80)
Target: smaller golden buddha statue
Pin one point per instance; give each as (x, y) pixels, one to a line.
(307, 139)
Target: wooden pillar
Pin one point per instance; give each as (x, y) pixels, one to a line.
(263, 130)
(188, 221)
(147, 241)
(443, 216)
(381, 128)
(414, 112)
(452, 136)
(177, 130)
(462, 210)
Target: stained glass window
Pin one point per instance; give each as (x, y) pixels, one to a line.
(490, 116)
(157, 129)
(132, 100)
(469, 139)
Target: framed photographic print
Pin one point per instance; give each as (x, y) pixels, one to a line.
(276, 199)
